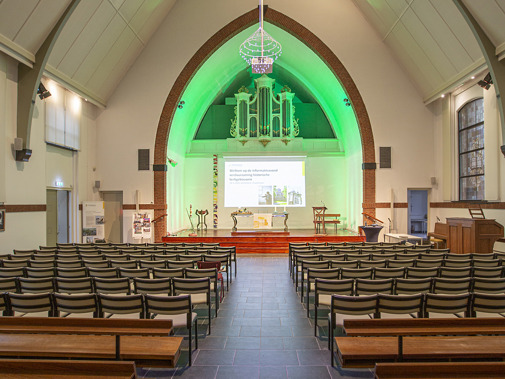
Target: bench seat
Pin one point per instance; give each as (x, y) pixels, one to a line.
(441, 370)
(366, 351)
(51, 369)
(144, 350)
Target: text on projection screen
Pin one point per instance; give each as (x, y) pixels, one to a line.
(265, 183)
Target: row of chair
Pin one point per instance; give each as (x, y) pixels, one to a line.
(310, 271)
(353, 243)
(416, 305)
(130, 244)
(178, 308)
(61, 259)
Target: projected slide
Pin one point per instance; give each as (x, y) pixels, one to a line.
(264, 183)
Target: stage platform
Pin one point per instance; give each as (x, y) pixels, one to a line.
(263, 241)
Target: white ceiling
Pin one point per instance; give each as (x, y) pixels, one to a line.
(98, 44)
(103, 38)
(432, 40)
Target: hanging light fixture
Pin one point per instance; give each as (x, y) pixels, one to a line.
(260, 50)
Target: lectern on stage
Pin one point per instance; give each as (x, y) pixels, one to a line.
(372, 231)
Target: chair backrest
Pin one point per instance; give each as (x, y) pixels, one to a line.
(390, 272)
(318, 213)
(401, 304)
(373, 286)
(413, 286)
(112, 285)
(452, 285)
(113, 304)
(455, 272)
(31, 303)
(151, 264)
(68, 263)
(421, 272)
(123, 264)
(15, 263)
(452, 257)
(201, 265)
(134, 273)
(394, 263)
(458, 262)
(323, 273)
(36, 285)
(486, 262)
(488, 285)
(368, 264)
(168, 273)
(95, 263)
(110, 272)
(429, 263)
(74, 285)
(147, 286)
(78, 272)
(9, 285)
(169, 305)
(42, 263)
(12, 272)
(334, 286)
(191, 286)
(81, 303)
(447, 304)
(354, 273)
(345, 264)
(33, 272)
(488, 303)
(352, 305)
(180, 264)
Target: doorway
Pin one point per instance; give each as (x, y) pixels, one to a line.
(57, 217)
(113, 216)
(418, 212)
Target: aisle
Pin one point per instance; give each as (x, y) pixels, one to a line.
(261, 331)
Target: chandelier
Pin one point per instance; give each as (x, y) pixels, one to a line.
(260, 50)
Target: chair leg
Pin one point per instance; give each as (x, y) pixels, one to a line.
(330, 340)
(196, 333)
(210, 312)
(190, 350)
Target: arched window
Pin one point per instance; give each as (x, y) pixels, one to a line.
(471, 150)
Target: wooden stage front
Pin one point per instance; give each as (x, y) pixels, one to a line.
(262, 241)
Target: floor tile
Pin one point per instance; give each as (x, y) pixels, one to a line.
(237, 372)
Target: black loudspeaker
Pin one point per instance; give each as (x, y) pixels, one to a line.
(143, 163)
(385, 157)
(23, 155)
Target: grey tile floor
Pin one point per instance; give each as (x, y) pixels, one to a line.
(262, 331)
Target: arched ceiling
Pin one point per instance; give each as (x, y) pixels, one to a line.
(102, 39)
(221, 69)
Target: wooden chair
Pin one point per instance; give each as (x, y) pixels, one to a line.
(318, 213)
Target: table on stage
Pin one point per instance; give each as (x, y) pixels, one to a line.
(250, 214)
(403, 237)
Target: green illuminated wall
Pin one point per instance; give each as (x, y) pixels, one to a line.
(218, 76)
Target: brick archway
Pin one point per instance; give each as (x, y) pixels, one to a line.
(208, 48)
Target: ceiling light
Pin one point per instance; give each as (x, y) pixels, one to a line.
(260, 50)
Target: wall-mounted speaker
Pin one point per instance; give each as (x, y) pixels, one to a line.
(143, 163)
(97, 184)
(23, 155)
(385, 156)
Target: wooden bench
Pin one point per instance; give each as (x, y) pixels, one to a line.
(366, 351)
(147, 342)
(49, 369)
(386, 337)
(442, 370)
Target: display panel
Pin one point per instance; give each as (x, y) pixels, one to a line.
(264, 182)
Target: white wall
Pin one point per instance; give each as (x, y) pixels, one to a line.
(25, 183)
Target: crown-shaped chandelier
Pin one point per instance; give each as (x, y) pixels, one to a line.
(260, 50)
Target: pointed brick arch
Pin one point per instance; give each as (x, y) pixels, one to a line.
(208, 48)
